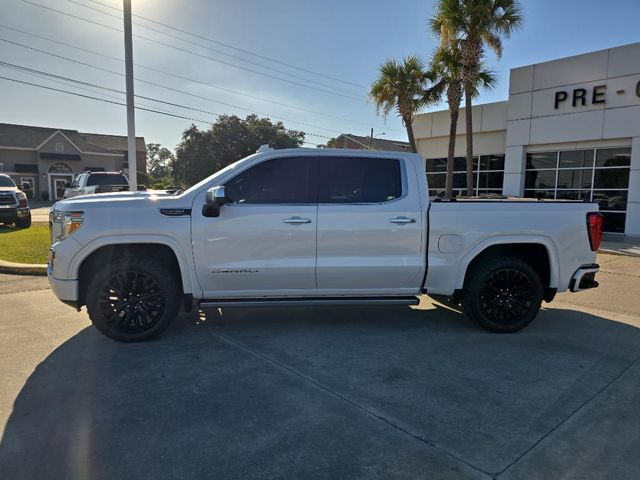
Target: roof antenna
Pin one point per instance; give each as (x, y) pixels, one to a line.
(264, 148)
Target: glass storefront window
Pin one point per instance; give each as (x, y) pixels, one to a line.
(614, 222)
(542, 160)
(492, 162)
(576, 159)
(436, 165)
(540, 179)
(613, 157)
(611, 199)
(573, 194)
(549, 194)
(491, 180)
(460, 180)
(488, 174)
(436, 180)
(599, 175)
(575, 178)
(611, 178)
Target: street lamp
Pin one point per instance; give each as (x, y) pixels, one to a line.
(372, 136)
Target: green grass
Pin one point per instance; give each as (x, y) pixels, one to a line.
(28, 245)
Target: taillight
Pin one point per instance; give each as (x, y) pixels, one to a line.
(594, 227)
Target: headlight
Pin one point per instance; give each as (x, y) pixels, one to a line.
(22, 200)
(65, 223)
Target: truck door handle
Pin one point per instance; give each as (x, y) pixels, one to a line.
(402, 220)
(296, 220)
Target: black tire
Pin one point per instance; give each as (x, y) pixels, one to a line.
(133, 299)
(502, 294)
(23, 222)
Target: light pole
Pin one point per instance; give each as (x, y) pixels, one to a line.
(372, 136)
(131, 120)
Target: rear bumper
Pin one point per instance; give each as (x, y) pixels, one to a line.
(584, 278)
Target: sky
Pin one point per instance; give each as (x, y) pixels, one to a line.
(305, 63)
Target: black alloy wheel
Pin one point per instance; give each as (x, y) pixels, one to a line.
(132, 302)
(503, 294)
(506, 296)
(134, 298)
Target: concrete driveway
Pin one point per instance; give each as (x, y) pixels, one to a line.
(321, 393)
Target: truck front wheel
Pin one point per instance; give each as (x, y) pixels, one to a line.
(133, 298)
(503, 294)
(23, 222)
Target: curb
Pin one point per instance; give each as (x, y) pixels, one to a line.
(23, 268)
(619, 253)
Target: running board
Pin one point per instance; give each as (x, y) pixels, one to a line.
(309, 301)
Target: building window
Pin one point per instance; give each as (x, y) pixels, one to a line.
(488, 175)
(599, 175)
(59, 147)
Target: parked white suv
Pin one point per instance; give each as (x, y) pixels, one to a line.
(97, 182)
(315, 227)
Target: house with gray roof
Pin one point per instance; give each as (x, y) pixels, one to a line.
(348, 140)
(48, 158)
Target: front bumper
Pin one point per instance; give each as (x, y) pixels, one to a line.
(11, 213)
(65, 289)
(8, 213)
(584, 278)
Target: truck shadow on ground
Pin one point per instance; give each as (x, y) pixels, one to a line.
(325, 392)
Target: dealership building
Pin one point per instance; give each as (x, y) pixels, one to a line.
(569, 130)
(48, 158)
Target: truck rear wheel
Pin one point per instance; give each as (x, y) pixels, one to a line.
(133, 299)
(503, 294)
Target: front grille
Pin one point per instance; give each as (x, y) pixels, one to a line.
(7, 198)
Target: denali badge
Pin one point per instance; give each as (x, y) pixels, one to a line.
(235, 270)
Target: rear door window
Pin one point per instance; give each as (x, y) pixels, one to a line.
(358, 180)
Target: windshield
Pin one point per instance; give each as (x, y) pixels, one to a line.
(107, 179)
(6, 181)
(218, 173)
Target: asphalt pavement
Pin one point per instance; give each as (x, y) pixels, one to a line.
(331, 393)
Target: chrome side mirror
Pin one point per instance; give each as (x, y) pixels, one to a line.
(216, 196)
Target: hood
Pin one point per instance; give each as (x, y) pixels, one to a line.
(113, 200)
(8, 189)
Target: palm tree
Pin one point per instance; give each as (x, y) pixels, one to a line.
(446, 70)
(401, 86)
(475, 24)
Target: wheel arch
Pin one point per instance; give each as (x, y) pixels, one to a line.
(539, 252)
(107, 249)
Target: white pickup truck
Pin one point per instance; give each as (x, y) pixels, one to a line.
(315, 227)
(97, 182)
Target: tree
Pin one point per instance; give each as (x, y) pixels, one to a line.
(446, 69)
(475, 24)
(331, 143)
(159, 159)
(401, 86)
(230, 138)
